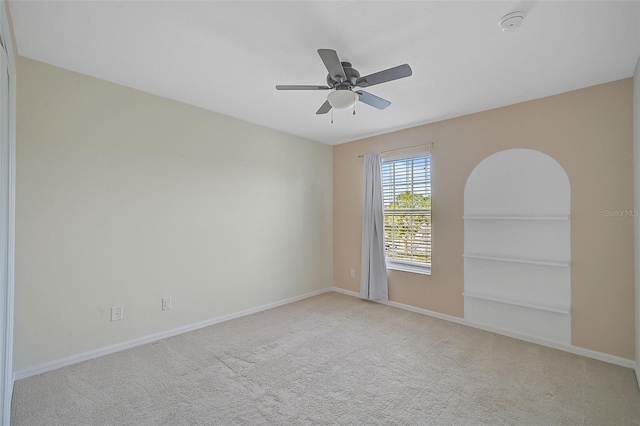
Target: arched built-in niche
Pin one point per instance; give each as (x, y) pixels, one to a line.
(517, 249)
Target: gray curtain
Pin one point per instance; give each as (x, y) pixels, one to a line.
(373, 281)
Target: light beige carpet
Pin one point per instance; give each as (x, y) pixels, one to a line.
(332, 360)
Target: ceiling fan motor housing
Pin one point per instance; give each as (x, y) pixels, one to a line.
(352, 76)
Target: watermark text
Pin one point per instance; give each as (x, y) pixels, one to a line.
(621, 213)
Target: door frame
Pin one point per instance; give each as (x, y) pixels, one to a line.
(7, 203)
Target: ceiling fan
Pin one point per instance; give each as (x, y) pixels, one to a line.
(343, 79)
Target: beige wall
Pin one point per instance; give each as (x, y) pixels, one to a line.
(589, 132)
(124, 198)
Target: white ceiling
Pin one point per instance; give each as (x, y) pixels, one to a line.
(228, 56)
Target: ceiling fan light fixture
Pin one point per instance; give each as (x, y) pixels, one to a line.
(342, 99)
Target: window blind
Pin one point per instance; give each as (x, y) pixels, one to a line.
(406, 189)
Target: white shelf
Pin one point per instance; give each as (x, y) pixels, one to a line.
(557, 309)
(497, 258)
(506, 217)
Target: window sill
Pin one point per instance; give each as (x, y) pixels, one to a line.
(423, 270)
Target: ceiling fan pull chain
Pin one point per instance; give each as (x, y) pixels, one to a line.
(331, 115)
(354, 108)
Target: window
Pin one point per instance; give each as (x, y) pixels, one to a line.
(406, 192)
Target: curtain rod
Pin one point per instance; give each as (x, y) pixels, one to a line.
(430, 145)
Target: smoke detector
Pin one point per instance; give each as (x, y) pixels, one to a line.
(511, 21)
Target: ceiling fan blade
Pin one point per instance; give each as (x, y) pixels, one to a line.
(394, 73)
(325, 108)
(373, 100)
(331, 61)
(300, 87)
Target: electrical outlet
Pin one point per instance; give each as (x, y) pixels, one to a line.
(353, 273)
(116, 313)
(166, 303)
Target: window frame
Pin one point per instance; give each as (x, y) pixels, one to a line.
(397, 264)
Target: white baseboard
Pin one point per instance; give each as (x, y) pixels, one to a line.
(612, 359)
(85, 356)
